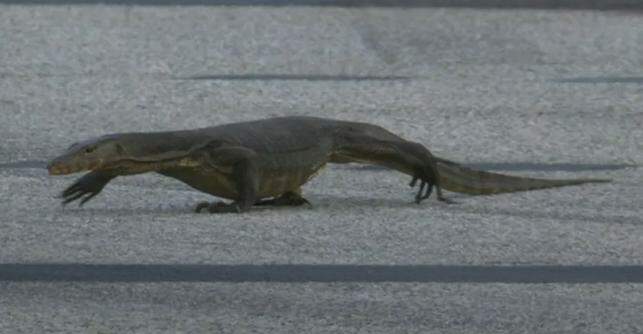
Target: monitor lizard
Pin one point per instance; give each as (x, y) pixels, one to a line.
(265, 162)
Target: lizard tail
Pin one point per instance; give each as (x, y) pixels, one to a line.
(457, 178)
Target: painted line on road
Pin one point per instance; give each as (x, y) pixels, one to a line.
(300, 273)
(601, 80)
(24, 164)
(294, 77)
(514, 4)
(546, 167)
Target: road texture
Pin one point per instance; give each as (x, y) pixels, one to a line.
(528, 91)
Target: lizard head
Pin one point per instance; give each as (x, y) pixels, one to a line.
(89, 155)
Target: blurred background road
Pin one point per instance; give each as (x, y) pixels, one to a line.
(538, 88)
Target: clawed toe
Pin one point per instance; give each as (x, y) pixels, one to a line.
(85, 188)
(426, 188)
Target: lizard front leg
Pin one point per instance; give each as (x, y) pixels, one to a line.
(240, 162)
(90, 185)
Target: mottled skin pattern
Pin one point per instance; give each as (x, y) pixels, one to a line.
(266, 162)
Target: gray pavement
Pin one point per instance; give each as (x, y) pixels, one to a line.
(538, 92)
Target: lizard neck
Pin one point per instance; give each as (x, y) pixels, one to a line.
(153, 152)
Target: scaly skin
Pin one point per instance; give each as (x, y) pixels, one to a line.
(266, 162)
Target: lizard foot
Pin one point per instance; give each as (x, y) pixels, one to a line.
(446, 200)
(86, 187)
(286, 199)
(218, 207)
(443, 199)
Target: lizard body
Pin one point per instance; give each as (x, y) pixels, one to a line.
(266, 162)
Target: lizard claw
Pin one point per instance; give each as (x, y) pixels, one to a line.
(423, 194)
(426, 188)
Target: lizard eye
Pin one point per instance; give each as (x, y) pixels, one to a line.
(89, 150)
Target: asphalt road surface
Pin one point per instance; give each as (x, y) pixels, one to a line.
(526, 90)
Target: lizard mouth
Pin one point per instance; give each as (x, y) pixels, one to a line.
(57, 168)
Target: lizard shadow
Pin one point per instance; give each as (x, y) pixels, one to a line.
(172, 209)
(320, 203)
(335, 202)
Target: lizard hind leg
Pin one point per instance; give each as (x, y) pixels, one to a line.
(407, 157)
